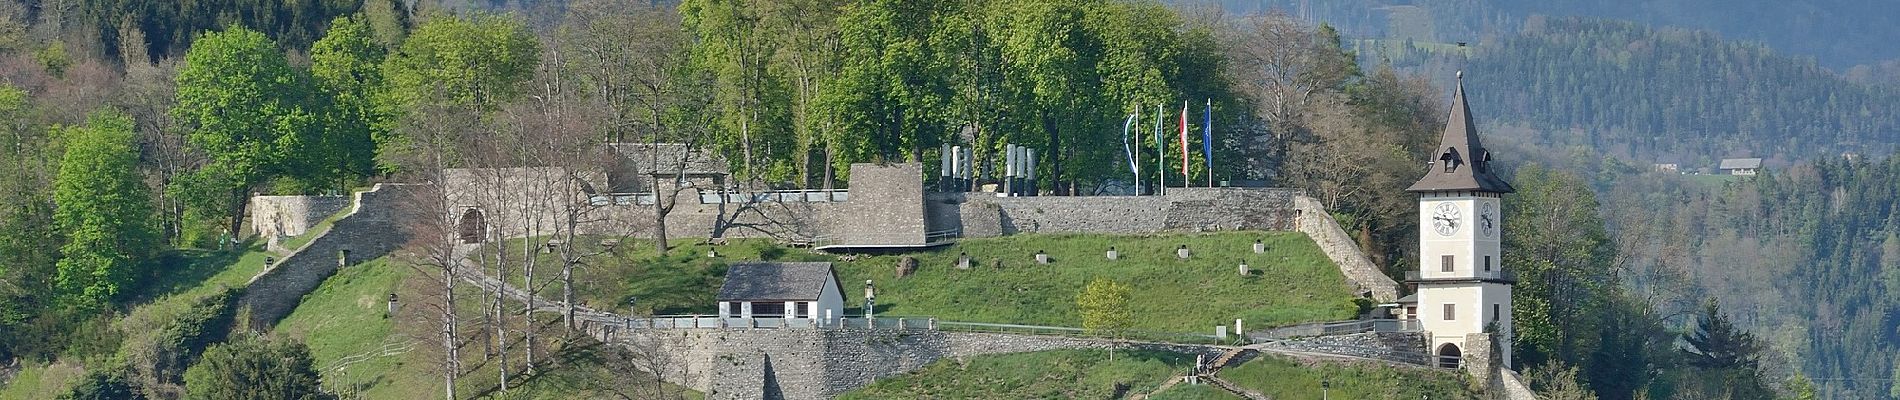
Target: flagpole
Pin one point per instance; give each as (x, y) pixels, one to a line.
(1161, 155)
(1185, 179)
(1207, 140)
(1129, 150)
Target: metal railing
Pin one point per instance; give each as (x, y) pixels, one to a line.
(783, 196)
(769, 322)
(1338, 328)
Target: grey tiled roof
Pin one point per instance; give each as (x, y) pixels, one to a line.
(790, 281)
(1459, 148)
(1741, 163)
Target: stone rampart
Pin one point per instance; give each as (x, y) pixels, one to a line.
(275, 216)
(820, 364)
(1402, 347)
(1181, 210)
(1359, 271)
(372, 229)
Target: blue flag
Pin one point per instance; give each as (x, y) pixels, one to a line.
(1207, 141)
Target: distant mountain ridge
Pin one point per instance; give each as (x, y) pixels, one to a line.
(1838, 33)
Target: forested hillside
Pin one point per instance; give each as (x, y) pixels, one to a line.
(1680, 96)
(131, 160)
(1809, 258)
(1841, 34)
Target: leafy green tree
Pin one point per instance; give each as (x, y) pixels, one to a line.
(253, 367)
(104, 209)
(477, 61)
(347, 68)
(736, 48)
(1561, 253)
(1105, 308)
(104, 384)
(242, 105)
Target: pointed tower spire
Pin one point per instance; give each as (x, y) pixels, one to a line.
(1460, 162)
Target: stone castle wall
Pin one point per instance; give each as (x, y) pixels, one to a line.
(819, 364)
(372, 229)
(1181, 210)
(273, 216)
(1360, 272)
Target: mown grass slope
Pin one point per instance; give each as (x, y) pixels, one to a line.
(1292, 281)
(1284, 378)
(1054, 374)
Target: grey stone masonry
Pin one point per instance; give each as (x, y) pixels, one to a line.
(819, 364)
(1403, 347)
(1181, 210)
(292, 215)
(1359, 271)
(373, 228)
(886, 206)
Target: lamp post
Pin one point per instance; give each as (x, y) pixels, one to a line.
(1323, 386)
(870, 302)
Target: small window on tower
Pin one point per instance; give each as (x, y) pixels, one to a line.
(1445, 263)
(1451, 312)
(1494, 313)
(1487, 263)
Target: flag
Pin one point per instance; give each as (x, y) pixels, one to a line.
(1127, 149)
(1207, 141)
(1184, 145)
(1161, 152)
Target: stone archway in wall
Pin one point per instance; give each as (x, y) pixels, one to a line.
(1449, 356)
(472, 227)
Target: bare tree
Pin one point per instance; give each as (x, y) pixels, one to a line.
(436, 245)
(637, 63)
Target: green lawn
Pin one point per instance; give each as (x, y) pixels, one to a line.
(294, 243)
(1293, 281)
(1194, 392)
(345, 318)
(1283, 378)
(1055, 374)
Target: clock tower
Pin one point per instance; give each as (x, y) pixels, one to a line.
(1462, 285)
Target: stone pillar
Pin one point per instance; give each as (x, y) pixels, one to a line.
(1480, 358)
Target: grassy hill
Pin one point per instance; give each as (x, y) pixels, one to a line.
(151, 325)
(1055, 374)
(362, 350)
(1285, 378)
(1292, 282)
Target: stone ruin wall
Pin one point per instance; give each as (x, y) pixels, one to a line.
(819, 364)
(276, 216)
(1181, 210)
(374, 228)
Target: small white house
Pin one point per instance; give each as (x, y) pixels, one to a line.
(791, 290)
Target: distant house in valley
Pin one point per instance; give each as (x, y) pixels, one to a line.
(1667, 167)
(791, 290)
(1740, 166)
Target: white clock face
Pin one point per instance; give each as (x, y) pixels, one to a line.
(1488, 220)
(1446, 219)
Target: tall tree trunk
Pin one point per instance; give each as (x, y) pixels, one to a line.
(452, 357)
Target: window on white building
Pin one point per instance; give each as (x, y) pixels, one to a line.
(1445, 263)
(1451, 312)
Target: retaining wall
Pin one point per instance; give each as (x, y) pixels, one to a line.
(372, 229)
(1359, 271)
(1181, 210)
(1403, 347)
(819, 364)
(273, 216)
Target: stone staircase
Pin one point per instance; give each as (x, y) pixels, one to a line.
(1214, 367)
